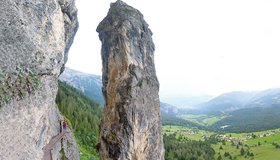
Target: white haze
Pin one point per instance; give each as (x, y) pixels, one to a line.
(202, 46)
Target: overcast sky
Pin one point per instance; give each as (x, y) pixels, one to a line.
(202, 46)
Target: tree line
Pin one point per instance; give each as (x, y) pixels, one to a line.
(181, 148)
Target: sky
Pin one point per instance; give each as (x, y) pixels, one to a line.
(203, 47)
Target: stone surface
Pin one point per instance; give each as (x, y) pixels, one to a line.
(34, 40)
(131, 127)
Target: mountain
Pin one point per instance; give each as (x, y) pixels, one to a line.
(238, 100)
(250, 120)
(245, 111)
(186, 101)
(267, 98)
(227, 102)
(168, 108)
(89, 84)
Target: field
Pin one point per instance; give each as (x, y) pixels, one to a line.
(266, 150)
(201, 119)
(193, 134)
(264, 145)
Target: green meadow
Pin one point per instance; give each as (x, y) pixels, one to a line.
(264, 145)
(201, 119)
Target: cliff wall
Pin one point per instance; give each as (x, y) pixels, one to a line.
(35, 37)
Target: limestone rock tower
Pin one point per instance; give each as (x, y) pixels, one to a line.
(131, 127)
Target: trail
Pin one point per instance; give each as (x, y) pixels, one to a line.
(47, 149)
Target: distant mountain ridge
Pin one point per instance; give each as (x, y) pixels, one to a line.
(89, 84)
(186, 101)
(238, 100)
(168, 108)
(250, 120)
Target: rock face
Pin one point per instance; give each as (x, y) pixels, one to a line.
(35, 37)
(131, 127)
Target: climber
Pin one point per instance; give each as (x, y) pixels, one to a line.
(64, 125)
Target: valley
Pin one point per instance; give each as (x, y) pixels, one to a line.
(263, 145)
(235, 125)
(183, 80)
(202, 119)
(242, 120)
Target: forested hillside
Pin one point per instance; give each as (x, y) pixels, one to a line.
(168, 119)
(250, 120)
(182, 148)
(83, 116)
(89, 84)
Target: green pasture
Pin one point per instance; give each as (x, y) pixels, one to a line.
(201, 119)
(262, 148)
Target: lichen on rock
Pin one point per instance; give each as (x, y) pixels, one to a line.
(131, 126)
(17, 85)
(35, 37)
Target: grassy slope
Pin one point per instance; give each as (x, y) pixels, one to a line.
(266, 150)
